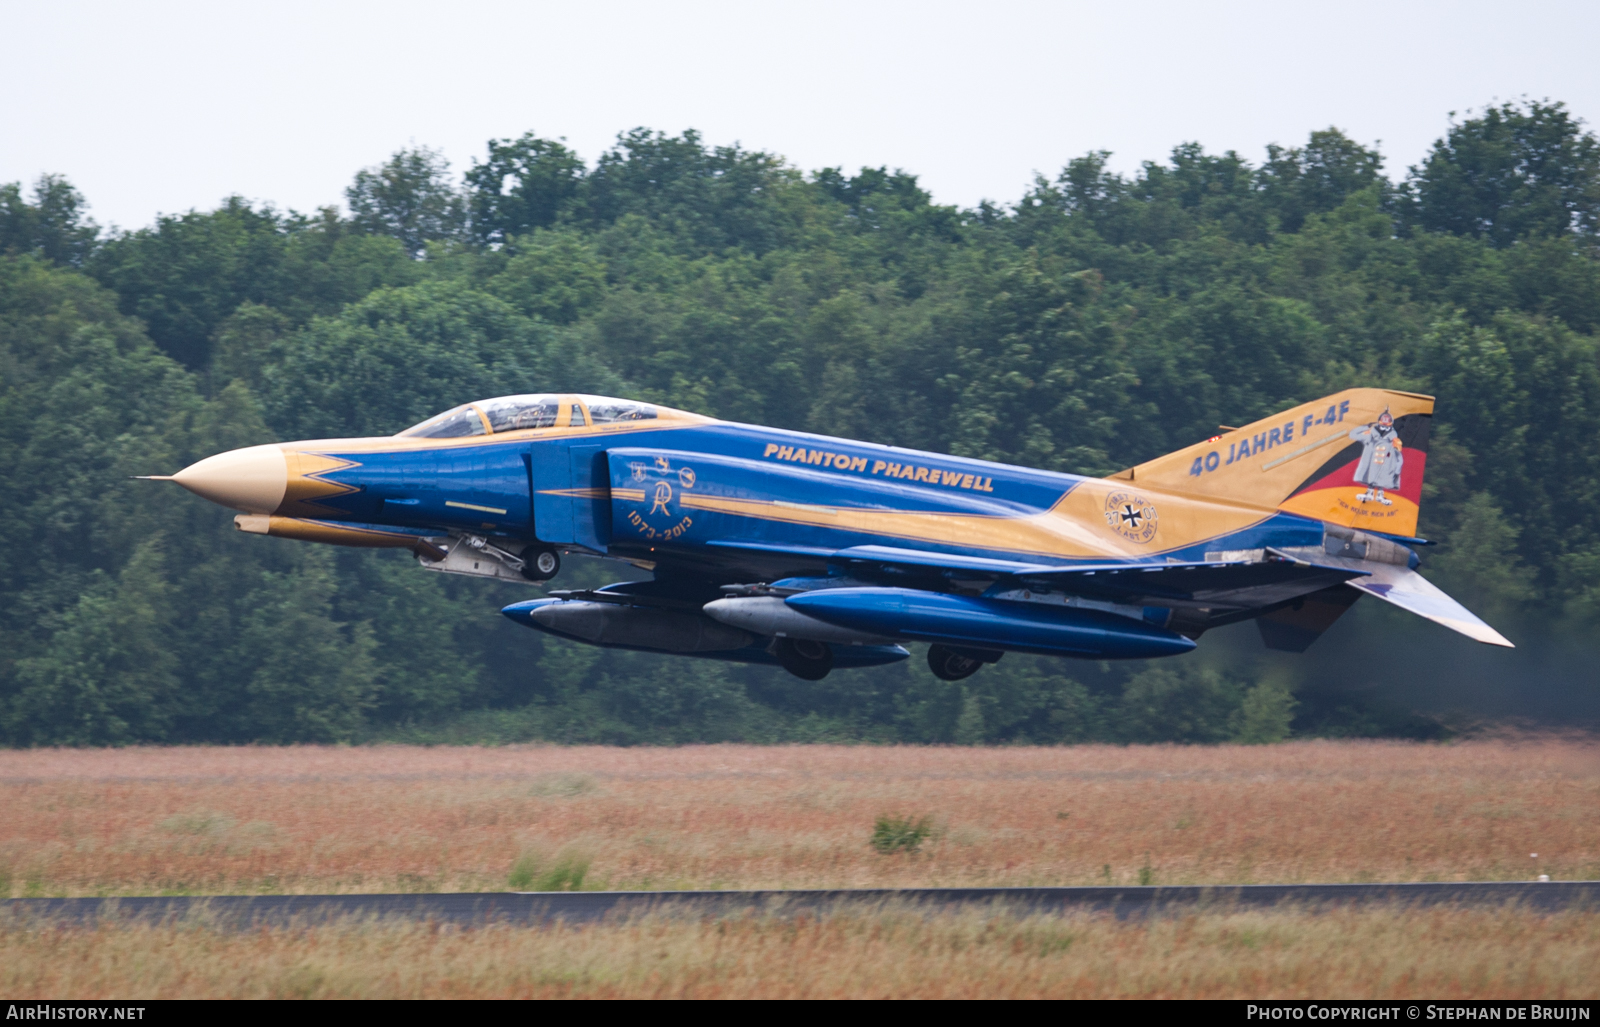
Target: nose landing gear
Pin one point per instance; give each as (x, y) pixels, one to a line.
(540, 564)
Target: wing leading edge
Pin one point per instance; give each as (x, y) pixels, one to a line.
(1230, 585)
(1224, 585)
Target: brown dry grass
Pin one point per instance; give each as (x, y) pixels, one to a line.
(1435, 953)
(396, 818)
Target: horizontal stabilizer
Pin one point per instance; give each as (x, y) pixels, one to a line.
(1410, 591)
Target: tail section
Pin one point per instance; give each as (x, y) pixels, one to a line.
(1355, 458)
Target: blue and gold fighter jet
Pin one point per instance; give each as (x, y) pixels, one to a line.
(771, 546)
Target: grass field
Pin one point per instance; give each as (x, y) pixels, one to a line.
(1434, 953)
(395, 818)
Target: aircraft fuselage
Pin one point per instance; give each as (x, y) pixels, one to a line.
(881, 544)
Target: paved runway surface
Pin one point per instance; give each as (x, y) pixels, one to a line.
(476, 908)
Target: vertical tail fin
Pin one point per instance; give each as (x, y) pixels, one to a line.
(1355, 458)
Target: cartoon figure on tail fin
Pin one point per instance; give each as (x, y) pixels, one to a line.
(1381, 458)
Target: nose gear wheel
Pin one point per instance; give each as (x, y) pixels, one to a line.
(541, 564)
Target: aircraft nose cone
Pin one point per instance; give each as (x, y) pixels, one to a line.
(252, 479)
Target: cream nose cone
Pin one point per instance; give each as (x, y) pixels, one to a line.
(252, 479)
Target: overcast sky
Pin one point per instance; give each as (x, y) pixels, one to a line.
(162, 107)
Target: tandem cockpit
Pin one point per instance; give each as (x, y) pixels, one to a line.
(521, 475)
(540, 410)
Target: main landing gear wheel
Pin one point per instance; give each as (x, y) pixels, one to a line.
(804, 658)
(541, 565)
(950, 664)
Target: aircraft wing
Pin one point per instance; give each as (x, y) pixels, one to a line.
(938, 561)
(1236, 584)
(891, 556)
(1213, 585)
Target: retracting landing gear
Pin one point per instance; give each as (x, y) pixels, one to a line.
(804, 658)
(950, 663)
(505, 559)
(540, 564)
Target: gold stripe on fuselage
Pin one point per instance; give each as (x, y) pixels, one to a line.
(603, 493)
(1075, 527)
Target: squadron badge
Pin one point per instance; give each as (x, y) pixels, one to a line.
(1132, 516)
(660, 518)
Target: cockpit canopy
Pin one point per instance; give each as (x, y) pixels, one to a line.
(517, 413)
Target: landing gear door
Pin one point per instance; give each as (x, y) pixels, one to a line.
(591, 497)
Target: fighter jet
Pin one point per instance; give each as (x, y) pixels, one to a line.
(814, 553)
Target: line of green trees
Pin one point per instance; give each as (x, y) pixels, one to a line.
(1098, 321)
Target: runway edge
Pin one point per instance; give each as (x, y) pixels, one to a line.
(525, 908)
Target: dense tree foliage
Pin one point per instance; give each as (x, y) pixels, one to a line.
(1513, 172)
(1100, 320)
(409, 197)
(53, 226)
